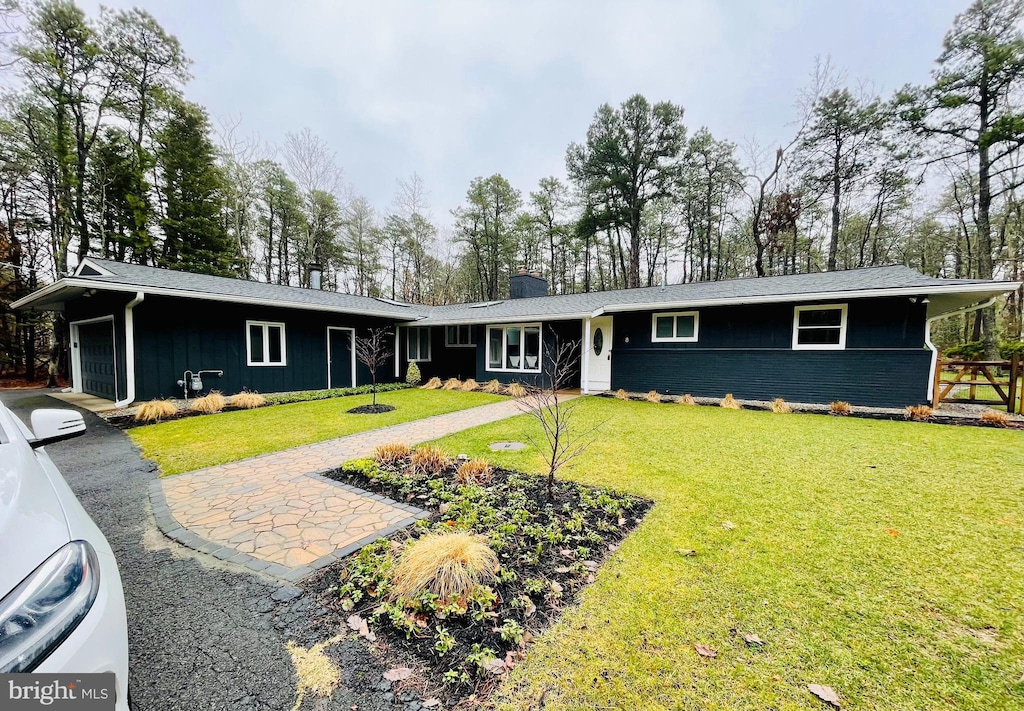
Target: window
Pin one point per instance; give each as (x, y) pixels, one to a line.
(458, 337)
(419, 343)
(515, 349)
(678, 327)
(820, 328)
(264, 341)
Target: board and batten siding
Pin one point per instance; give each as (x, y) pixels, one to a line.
(97, 306)
(445, 361)
(552, 331)
(747, 351)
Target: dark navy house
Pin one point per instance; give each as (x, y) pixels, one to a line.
(862, 336)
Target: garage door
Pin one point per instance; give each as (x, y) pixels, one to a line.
(96, 355)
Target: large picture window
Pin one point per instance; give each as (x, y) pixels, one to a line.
(458, 337)
(265, 343)
(676, 327)
(419, 343)
(514, 349)
(821, 328)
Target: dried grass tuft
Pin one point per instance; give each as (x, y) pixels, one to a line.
(516, 390)
(248, 401)
(452, 384)
(729, 402)
(432, 384)
(919, 412)
(653, 396)
(840, 407)
(621, 394)
(687, 399)
(475, 471)
(469, 385)
(448, 565)
(391, 453)
(429, 460)
(995, 417)
(155, 410)
(209, 404)
(781, 407)
(494, 387)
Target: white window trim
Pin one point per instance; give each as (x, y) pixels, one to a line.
(449, 344)
(408, 340)
(266, 344)
(819, 346)
(674, 338)
(504, 347)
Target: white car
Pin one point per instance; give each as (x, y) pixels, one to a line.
(61, 601)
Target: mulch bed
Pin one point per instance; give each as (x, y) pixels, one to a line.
(372, 409)
(548, 552)
(127, 422)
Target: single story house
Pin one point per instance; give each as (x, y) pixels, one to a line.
(862, 335)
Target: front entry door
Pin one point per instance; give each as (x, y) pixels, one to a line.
(599, 341)
(339, 357)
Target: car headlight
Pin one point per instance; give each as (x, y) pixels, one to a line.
(46, 606)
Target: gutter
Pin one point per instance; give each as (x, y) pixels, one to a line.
(935, 351)
(129, 350)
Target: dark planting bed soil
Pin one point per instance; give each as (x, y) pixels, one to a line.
(371, 409)
(548, 551)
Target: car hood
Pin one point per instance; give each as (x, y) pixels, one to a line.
(32, 521)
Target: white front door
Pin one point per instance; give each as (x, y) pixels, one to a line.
(599, 356)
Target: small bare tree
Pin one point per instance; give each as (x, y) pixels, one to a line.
(372, 351)
(562, 440)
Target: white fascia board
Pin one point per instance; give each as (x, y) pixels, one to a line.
(498, 320)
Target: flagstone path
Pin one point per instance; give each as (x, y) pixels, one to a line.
(274, 513)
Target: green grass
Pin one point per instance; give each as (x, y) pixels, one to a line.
(929, 618)
(196, 442)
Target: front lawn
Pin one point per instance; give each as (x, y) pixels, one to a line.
(197, 442)
(882, 559)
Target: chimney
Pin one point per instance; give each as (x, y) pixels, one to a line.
(526, 285)
(315, 272)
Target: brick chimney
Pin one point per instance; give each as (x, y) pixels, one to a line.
(527, 284)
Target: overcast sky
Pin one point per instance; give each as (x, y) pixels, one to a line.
(452, 90)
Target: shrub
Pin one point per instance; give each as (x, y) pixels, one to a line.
(209, 404)
(621, 394)
(248, 401)
(452, 384)
(310, 395)
(653, 396)
(412, 374)
(780, 406)
(493, 387)
(391, 453)
(687, 399)
(429, 460)
(155, 410)
(449, 565)
(469, 385)
(516, 390)
(995, 417)
(730, 403)
(919, 412)
(475, 471)
(839, 407)
(432, 384)
(972, 350)
(1008, 348)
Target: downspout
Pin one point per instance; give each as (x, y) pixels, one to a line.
(129, 350)
(934, 350)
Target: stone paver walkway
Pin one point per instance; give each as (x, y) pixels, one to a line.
(273, 513)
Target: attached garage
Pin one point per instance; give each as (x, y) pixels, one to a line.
(93, 343)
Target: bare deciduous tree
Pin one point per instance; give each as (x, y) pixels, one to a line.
(372, 351)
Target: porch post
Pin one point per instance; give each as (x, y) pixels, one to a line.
(585, 374)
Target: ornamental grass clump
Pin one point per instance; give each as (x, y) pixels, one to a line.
(919, 412)
(155, 410)
(781, 407)
(432, 384)
(452, 384)
(209, 404)
(448, 565)
(392, 453)
(469, 385)
(516, 390)
(429, 460)
(840, 407)
(687, 399)
(248, 400)
(494, 387)
(729, 402)
(653, 396)
(621, 394)
(475, 471)
(995, 417)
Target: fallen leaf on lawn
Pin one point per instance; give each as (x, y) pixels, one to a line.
(530, 608)
(753, 639)
(358, 624)
(622, 522)
(561, 569)
(892, 532)
(556, 587)
(590, 565)
(728, 525)
(825, 693)
(510, 659)
(431, 703)
(398, 674)
(396, 547)
(613, 547)
(442, 509)
(591, 578)
(686, 551)
(567, 553)
(495, 666)
(705, 651)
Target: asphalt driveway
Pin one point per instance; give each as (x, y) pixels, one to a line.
(202, 634)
